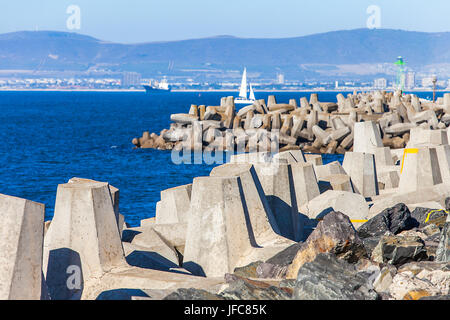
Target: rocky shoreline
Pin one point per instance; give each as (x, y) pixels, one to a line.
(263, 226)
(311, 126)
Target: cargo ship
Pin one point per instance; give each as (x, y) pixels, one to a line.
(157, 86)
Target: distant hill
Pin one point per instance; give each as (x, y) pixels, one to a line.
(48, 50)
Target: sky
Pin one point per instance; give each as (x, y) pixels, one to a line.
(134, 21)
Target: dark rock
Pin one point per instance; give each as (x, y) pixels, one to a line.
(229, 278)
(369, 269)
(371, 243)
(371, 274)
(384, 296)
(398, 250)
(274, 267)
(432, 241)
(274, 271)
(335, 234)
(245, 289)
(395, 220)
(288, 283)
(418, 266)
(434, 238)
(384, 279)
(192, 294)
(285, 257)
(431, 248)
(447, 204)
(425, 216)
(248, 271)
(443, 250)
(330, 278)
(430, 230)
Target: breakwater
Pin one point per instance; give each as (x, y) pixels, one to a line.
(265, 225)
(312, 126)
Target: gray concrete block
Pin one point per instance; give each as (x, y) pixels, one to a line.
(83, 235)
(21, 240)
(420, 169)
(362, 171)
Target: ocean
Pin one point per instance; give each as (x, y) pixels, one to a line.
(49, 137)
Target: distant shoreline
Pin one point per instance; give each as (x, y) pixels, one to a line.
(215, 90)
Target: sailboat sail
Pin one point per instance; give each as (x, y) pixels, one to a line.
(243, 90)
(252, 94)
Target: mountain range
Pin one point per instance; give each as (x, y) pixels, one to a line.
(319, 54)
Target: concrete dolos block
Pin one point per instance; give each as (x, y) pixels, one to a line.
(351, 204)
(436, 193)
(263, 223)
(367, 137)
(149, 240)
(292, 156)
(83, 253)
(361, 169)
(83, 236)
(305, 182)
(115, 197)
(229, 225)
(420, 137)
(443, 154)
(174, 205)
(217, 235)
(323, 172)
(278, 184)
(341, 182)
(383, 157)
(21, 239)
(420, 169)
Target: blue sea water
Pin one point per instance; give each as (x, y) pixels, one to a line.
(49, 137)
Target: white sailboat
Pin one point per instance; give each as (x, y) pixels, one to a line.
(252, 93)
(242, 99)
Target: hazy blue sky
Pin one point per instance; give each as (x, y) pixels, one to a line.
(150, 20)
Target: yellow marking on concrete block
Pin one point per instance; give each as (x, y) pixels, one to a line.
(406, 151)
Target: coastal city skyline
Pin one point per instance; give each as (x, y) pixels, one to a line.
(77, 44)
(340, 60)
(134, 81)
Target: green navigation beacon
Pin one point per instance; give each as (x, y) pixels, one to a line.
(401, 77)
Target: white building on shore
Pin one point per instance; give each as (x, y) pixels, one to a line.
(427, 82)
(380, 83)
(410, 80)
